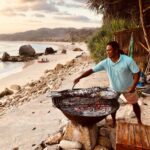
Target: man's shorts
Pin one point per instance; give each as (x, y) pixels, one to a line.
(131, 98)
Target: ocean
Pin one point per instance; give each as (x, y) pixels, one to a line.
(12, 48)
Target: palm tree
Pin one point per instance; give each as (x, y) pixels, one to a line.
(124, 9)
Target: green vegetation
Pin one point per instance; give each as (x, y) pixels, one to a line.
(98, 41)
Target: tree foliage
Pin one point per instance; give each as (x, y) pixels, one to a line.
(97, 43)
(123, 9)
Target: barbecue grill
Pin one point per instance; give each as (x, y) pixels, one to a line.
(86, 106)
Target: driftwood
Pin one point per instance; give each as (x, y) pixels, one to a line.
(143, 26)
(145, 36)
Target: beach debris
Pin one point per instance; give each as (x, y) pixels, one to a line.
(15, 87)
(6, 92)
(27, 50)
(64, 51)
(34, 128)
(54, 139)
(49, 50)
(42, 146)
(5, 56)
(66, 144)
(15, 148)
(33, 145)
(77, 49)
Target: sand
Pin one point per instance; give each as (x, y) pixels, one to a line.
(36, 70)
(26, 126)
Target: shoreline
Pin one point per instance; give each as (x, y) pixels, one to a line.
(34, 70)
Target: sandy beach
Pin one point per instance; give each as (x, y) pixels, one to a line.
(28, 75)
(28, 116)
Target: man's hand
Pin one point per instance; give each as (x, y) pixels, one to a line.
(85, 74)
(131, 90)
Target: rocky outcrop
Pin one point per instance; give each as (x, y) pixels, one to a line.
(51, 80)
(49, 50)
(15, 87)
(5, 56)
(6, 92)
(27, 50)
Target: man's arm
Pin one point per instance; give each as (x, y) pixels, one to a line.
(136, 77)
(85, 74)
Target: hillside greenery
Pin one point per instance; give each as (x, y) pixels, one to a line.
(97, 43)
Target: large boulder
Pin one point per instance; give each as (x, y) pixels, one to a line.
(49, 50)
(27, 50)
(5, 56)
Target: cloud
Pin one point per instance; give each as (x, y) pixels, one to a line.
(81, 1)
(43, 6)
(8, 12)
(39, 15)
(74, 18)
(22, 7)
(25, 1)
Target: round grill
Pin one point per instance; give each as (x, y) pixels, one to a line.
(86, 106)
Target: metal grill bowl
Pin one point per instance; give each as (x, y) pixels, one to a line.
(86, 106)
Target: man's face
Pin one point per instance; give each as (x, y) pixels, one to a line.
(110, 51)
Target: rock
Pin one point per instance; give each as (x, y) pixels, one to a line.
(77, 49)
(32, 84)
(86, 135)
(3, 102)
(16, 148)
(58, 67)
(64, 51)
(49, 50)
(45, 90)
(104, 141)
(6, 92)
(112, 138)
(5, 56)
(27, 50)
(103, 131)
(99, 147)
(65, 144)
(15, 87)
(54, 139)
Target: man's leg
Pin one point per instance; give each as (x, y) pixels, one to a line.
(137, 111)
(113, 115)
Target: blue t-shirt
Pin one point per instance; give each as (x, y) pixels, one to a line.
(120, 73)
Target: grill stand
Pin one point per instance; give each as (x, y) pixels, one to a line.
(86, 135)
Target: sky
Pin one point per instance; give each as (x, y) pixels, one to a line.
(23, 15)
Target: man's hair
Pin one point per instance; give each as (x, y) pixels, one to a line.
(115, 46)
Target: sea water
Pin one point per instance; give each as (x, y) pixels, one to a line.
(12, 48)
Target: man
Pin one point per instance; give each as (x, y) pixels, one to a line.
(123, 74)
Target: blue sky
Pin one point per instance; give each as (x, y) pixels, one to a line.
(22, 15)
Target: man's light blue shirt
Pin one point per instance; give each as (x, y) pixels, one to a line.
(120, 73)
